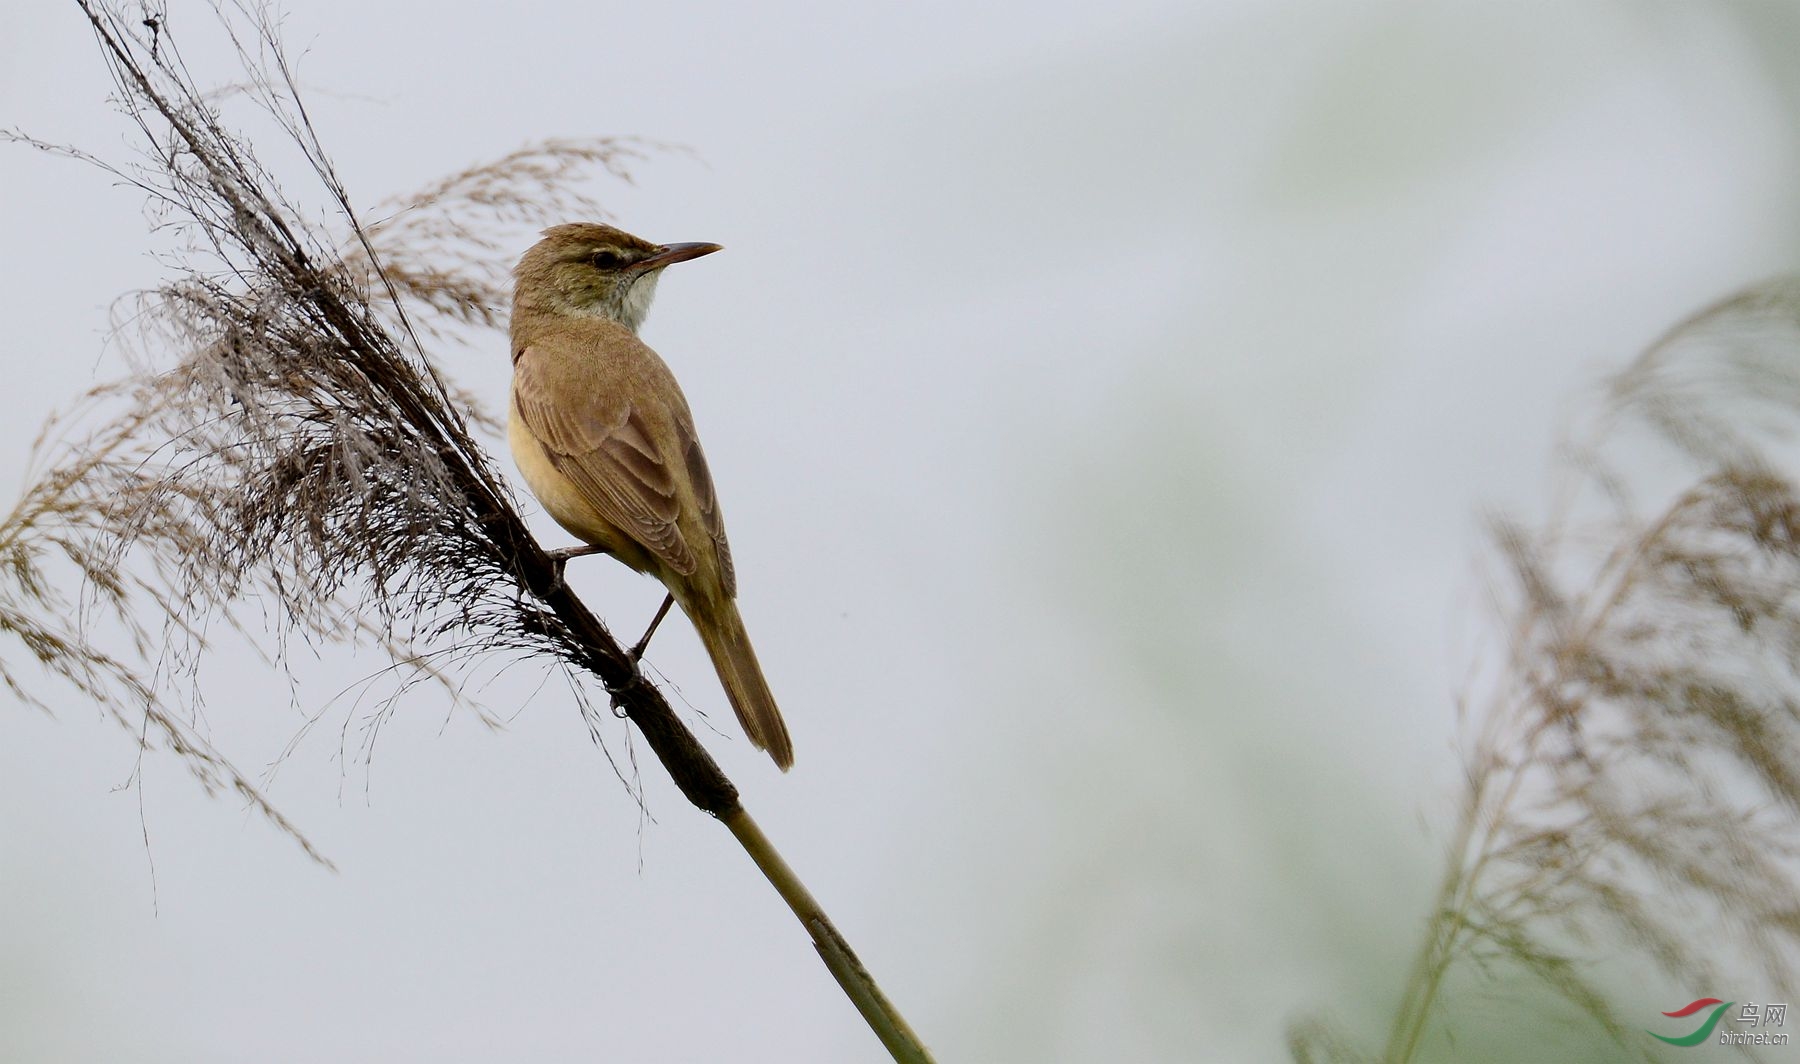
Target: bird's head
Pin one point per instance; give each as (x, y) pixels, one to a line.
(588, 268)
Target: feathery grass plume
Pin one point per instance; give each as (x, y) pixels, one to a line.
(317, 455)
(84, 486)
(101, 499)
(1634, 774)
(330, 462)
(295, 452)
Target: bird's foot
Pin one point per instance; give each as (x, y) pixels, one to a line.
(559, 561)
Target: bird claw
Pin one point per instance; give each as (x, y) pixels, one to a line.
(559, 561)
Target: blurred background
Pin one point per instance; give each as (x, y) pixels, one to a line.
(1104, 398)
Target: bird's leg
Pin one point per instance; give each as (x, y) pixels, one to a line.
(637, 652)
(559, 559)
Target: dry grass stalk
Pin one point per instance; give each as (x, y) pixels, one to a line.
(1633, 788)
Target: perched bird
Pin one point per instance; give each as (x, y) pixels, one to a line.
(603, 435)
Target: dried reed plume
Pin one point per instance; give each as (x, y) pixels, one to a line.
(302, 448)
(84, 490)
(1633, 775)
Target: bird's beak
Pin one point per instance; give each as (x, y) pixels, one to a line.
(669, 254)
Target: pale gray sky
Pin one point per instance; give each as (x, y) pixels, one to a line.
(1103, 398)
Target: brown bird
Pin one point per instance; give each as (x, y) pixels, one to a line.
(605, 440)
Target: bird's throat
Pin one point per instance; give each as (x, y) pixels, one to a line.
(634, 302)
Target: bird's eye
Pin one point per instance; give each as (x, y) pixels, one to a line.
(606, 260)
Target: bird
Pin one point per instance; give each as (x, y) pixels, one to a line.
(604, 438)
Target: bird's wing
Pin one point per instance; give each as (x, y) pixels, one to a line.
(602, 442)
(706, 499)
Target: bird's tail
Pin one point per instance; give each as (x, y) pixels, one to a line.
(722, 630)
